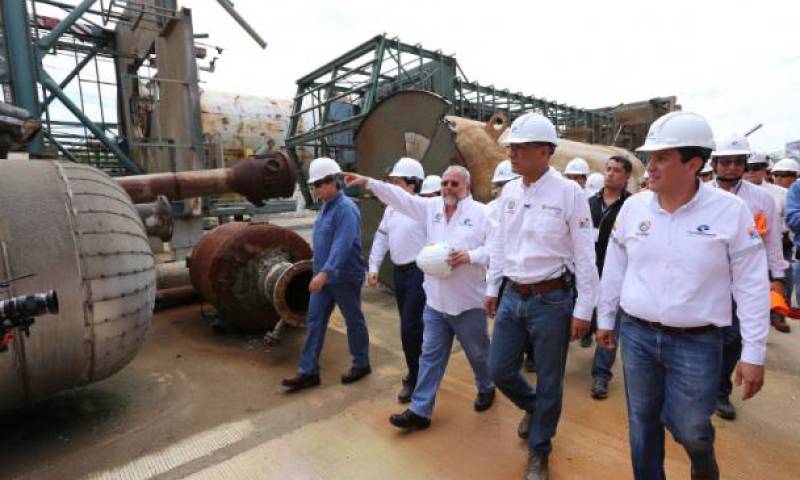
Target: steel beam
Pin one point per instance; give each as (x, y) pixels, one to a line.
(75, 71)
(228, 6)
(61, 148)
(47, 42)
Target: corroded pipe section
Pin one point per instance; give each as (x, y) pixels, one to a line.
(254, 274)
(257, 178)
(157, 218)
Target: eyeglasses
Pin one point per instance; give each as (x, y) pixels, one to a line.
(755, 167)
(784, 174)
(451, 183)
(726, 162)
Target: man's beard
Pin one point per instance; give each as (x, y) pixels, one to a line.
(731, 178)
(450, 200)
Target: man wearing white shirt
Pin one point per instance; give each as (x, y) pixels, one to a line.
(677, 255)
(403, 238)
(729, 161)
(454, 304)
(543, 243)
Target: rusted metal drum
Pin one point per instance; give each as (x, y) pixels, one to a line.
(254, 274)
(79, 233)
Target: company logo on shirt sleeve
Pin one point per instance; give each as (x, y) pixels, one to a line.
(583, 223)
(644, 228)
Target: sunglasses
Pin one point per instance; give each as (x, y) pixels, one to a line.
(757, 167)
(450, 183)
(726, 162)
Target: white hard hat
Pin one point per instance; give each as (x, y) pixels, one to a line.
(432, 259)
(503, 172)
(322, 167)
(733, 145)
(594, 183)
(407, 167)
(757, 158)
(577, 166)
(531, 127)
(786, 165)
(431, 184)
(678, 129)
(707, 168)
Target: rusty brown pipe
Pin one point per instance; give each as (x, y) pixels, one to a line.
(176, 296)
(157, 218)
(256, 178)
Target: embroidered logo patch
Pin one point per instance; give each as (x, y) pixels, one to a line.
(467, 222)
(438, 218)
(703, 230)
(644, 228)
(752, 232)
(583, 223)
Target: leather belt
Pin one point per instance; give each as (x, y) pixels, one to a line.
(668, 329)
(540, 287)
(406, 267)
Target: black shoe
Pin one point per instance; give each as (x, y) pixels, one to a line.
(725, 409)
(405, 393)
(484, 400)
(705, 470)
(356, 374)
(599, 389)
(301, 381)
(537, 467)
(586, 340)
(524, 428)
(530, 366)
(409, 420)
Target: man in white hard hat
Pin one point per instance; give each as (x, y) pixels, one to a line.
(542, 244)
(677, 255)
(338, 276)
(707, 173)
(577, 170)
(431, 186)
(403, 238)
(729, 161)
(605, 207)
(454, 304)
(785, 172)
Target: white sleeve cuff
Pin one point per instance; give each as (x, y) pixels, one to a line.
(754, 354)
(582, 312)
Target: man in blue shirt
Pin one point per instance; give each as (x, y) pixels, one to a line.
(338, 277)
(793, 223)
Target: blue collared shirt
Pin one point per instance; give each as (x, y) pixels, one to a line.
(337, 241)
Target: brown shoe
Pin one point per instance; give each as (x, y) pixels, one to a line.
(779, 323)
(537, 467)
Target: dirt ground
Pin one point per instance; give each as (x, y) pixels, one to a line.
(193, 404)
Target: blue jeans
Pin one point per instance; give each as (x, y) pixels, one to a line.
(347, 296)
(437, 341)
(604, 358)
(670, 381)
(410, 302)
(731, 351)
(543, 320)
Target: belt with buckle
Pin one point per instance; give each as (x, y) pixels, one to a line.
(668, 329)
(405, 267)
(540, 287)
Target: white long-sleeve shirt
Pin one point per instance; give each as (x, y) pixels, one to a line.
(778, 194)
(762, 205)
(681, 269)
(466, 230)
(398, 234)
(543, 229)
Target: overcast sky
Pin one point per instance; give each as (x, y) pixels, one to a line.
(736, 64)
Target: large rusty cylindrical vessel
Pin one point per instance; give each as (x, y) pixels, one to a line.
(79, 233)
(254, 274)
(257, 178)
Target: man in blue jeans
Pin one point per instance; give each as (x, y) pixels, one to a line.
(543, 235)
(338, 277)
(676, 257)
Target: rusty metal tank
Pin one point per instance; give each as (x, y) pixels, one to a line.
(255, 274)
(79, 233)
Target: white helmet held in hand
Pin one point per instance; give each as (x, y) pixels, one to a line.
(322, 167)
(408, 168)
(577, 166)
(432, 259)
(676, 130)
(503, 172)
(733, 145)
(531, 127)
(431, 184)
(594, 183)
(786, 165)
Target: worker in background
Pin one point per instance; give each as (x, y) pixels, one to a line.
(792, 217)
(431, 186)
(542, 245)
(676, 256)
(338, 276)
(729, 161)
(644, 185)
(454, 302)
(784, 174)
(594, 183)
(403, 238)
(707, 173)
(577, 170)
(605, 206)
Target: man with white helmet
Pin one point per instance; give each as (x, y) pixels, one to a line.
(729, 161)
(785, 172)
(543, 242)
(403, 238)
(338, 276)
(453, 286)
(707, 173)
(431, 186)
(577, 170)
(677, 255)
